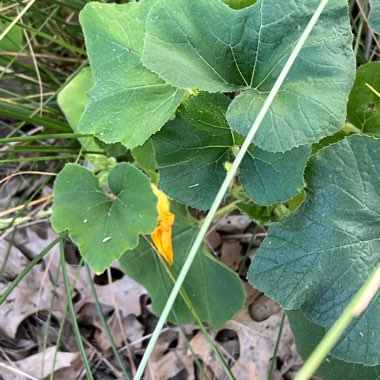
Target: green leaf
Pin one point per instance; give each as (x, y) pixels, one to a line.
(145, 156)
(308, 335)
(320, 256)
(363, 109)
(259, 214)
(239, 4)
(13, 39)
(270, 178)
(374, 16)
(192, 149)
(11, 42)
(103, 225)
(72, 101)
(128, 102)
(215, 292)
(207, 45)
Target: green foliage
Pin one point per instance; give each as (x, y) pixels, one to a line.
(12, 41)
(191, 152)
(128, 102)
(73, 99)
(309, 334)
(145, 157)
(215, 292)
(103, 224)
(239, 4)
(320, 256)
(374, 16)
(270, 178)
(179, 83)
(363, 109)
(207, 45)
(192, 149)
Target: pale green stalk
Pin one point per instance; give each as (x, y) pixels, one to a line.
(13, 23)
(223, 189)
(358, 304)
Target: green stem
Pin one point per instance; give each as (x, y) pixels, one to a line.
(226, 209)
(28, 268)
(55, 136)
(224, 188)
(36, 159)
(73, 315)
(358, 304)
(271, 371)
(104, 323)
(17, 112)
(18, 17)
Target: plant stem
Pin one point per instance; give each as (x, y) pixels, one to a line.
(358, 304)
(18, 17)
(270, 375)
(28, 268)
(224, 188)
(104, 323)
(42, 137)
(73, 315)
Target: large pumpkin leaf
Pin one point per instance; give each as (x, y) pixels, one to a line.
(192, 149)
(215, 292)
(363, 109)
(208, 45)
(374, 16)
(128, 102)
(72, 101)
(269, 177)
(239, 4)
(319, 257)
(308, 335)
(103, 225)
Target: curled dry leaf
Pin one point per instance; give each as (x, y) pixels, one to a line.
(34, 293)
(170, 358)
(231, 254)
(29, 297)
(40, 365)
(250, 355)
(233, 224)
(127, 294)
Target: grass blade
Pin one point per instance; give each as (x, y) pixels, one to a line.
(105, 325)
(224, 187)
(28, 268)
(73, 315)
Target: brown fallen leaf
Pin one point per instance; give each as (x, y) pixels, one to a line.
(231, 254)
(29, 297)
(40, 365)
(127, 294)
(170, 358)
(256, 342)
(233, 224)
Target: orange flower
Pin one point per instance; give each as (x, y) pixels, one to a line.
(162, 235)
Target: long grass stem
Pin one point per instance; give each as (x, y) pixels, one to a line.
(224, 187)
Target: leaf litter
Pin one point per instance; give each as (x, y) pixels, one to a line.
(247, 341)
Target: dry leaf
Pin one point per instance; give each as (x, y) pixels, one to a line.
(256, 341)
(233, 224)
(127, 294)
(40, 365)
(170, 356)
(231, 254)
(30, 296)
